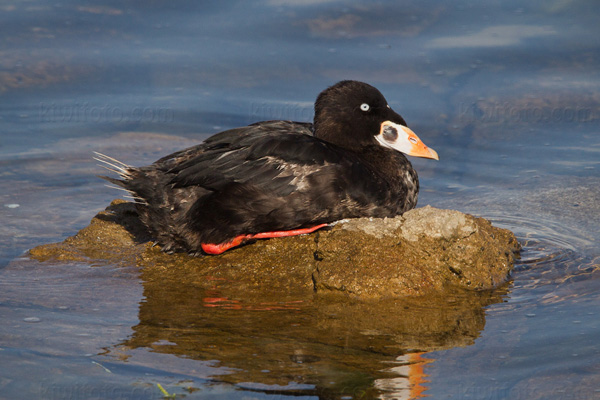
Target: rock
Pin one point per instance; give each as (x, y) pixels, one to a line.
(425, 250)
(430, 222)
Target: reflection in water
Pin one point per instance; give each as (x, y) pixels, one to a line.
(314, 345)
(411, 381)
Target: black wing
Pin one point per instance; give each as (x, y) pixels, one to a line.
(270, 155)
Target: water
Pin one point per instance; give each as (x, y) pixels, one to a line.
(507, 93)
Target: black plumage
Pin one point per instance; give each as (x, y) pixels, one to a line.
(277, 175)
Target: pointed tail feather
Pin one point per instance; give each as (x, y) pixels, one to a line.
(114, 165)
(125, 172)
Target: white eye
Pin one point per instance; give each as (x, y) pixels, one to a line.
(365, 107)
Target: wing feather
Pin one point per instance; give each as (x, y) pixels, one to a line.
(271, 156)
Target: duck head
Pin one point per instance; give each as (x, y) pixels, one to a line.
(354, 115)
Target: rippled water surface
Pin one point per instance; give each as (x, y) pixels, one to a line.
(507, 93)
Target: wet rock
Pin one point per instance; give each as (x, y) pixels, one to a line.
(425, 250)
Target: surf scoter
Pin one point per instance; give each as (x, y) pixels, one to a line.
(280, 178)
